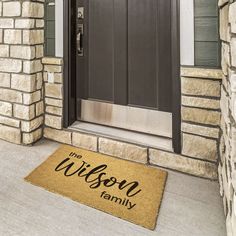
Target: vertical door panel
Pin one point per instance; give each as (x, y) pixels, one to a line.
(101, 50)
(164, 56)
(127, 53)
(142, 53)
(120, 52)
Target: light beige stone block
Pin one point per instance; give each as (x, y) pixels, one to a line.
(12, 36)
(24, 23)
(10, 134)
(199, 147)
(53, 90)
(232, 17)
(4, 50)
(32, 9)
(123, 150)
(39, 80)
(33, 37)
(233, 51)
(224, 23)
(222, 2)
(58, 135)
(200, 87)
(183, 164)
(30, 98)
(12, 8)
(1, 35)
(9, 121)
(53, 102)
(5, 108)
(26, 83)
(24, 112)
(200, 102)
(54, 110)
(52, 61)
(30, 138)
(195, 72)
(39, 51)
(53, 121)
(39, 23)
(32, 66)
(52, 68)
(10, 95)
(225, 57)
(4, 80)
(6, 23)
(10, 65)
(200, 130)
(39, 108)
(28, 126)
(84, 141)
(201, 116)
(22, 52)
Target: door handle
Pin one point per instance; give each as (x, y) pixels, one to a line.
(79, 39)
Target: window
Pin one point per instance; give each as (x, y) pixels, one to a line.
(50, 28)
(200, 44)
(206, 35)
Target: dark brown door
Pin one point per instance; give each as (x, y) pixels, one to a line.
(124, 58)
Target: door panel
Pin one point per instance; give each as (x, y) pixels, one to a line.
(142, 53)
(101, 53)
(126, 61)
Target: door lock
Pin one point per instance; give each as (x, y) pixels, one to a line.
(79, 38)
(80, 12)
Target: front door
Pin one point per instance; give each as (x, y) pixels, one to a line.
(123, 64)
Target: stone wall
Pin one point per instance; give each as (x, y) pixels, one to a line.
(201, 118)
(21, 50)
(200, 124)
(227, 165)
(23, 104)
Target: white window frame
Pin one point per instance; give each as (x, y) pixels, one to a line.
(59, 28)
(187, 32)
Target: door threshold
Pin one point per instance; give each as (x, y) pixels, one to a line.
(148, 140)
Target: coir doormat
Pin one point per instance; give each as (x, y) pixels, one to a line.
(124, 189)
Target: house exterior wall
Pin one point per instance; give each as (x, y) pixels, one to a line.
(200, 124)
(21, 87)
(29, 105)
(227, 164)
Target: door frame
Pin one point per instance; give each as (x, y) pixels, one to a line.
(69, 72)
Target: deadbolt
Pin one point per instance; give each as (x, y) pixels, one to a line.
(80, 12)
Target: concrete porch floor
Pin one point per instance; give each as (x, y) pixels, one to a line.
(191, 206)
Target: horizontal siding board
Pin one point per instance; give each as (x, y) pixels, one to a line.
(206, 8)
(50, 12)
(50, 47)
(206, 29)
(206, 33)
(207, 54)
(50, 32)
(50, 29)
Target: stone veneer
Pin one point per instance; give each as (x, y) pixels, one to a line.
(21, 50)
(25, 109)
(26, 106)
(200, 126)
(227, 165)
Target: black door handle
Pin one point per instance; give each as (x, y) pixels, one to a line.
(79, 39)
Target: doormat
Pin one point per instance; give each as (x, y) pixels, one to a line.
(125, 189)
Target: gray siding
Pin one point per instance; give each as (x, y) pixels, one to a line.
(50, 28)
(206, 39)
